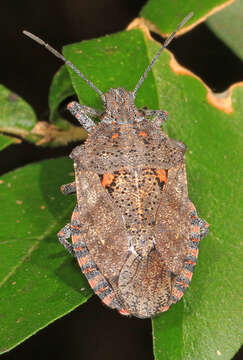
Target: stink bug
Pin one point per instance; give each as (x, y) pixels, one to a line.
(135, 233)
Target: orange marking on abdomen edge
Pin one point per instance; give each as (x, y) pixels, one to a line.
(108, 299)
(83, 260)
(164, 308)
(187, 274)
(100, 290)
(88, 270)
(177, 293)
(124, 312)
(194, 252)
(107, 179)
(93, 282)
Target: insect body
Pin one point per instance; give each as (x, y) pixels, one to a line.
(135, 233)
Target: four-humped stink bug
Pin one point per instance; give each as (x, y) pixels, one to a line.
(135, 233)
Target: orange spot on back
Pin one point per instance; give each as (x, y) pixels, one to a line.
(115, 136)
(107, 179)
(161, 173)
(143, 133)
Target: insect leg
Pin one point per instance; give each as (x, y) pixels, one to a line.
(67, 189)
(159, 116)
(79, 112)
(63, 235)
(199, 229)
(90, 111)
(96, 280)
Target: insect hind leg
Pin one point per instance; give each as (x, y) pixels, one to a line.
(68, 230)
(63, 235)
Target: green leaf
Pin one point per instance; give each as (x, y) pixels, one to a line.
(110, 62)
(18, 120)
(163, 16)
(39, 280)
(60, 89)
(5, 141)
(197, 327)
(227, 25)
(16, 117)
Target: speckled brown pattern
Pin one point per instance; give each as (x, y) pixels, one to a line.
(139, 229)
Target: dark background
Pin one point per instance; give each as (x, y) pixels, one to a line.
(92, 331)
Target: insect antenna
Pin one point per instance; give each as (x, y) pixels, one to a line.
(166, 43)
(60, 56)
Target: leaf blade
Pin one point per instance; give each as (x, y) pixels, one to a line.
(163, 16)
(33, 258)
(227, 25)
